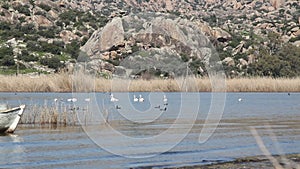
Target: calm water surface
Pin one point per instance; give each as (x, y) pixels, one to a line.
(275, 116)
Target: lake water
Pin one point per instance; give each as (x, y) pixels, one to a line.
(141, 135)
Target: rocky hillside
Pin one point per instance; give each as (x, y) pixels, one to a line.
(130, 37)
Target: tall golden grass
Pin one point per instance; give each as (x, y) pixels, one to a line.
(42, 83)
(69, 83)
(263, 84)
(50, 115)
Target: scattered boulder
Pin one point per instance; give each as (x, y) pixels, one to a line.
(239, 48)
(297, 43)
(120, 71)
(242, 63)
(229, 61)
(104, 39)
(67, 36)
(12, 42)
(251, 59)
(41, 21)
(221, 35)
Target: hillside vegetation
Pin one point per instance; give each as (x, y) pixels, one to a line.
(252, 38)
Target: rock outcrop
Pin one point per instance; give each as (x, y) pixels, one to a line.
(149, 42)
(238, 29)
(108, 37)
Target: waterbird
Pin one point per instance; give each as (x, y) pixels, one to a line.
(72, 100)
(74, 108)
(240, 99)
(55, 99)
(87, 99)
(135, 99)
(165, 99)
(289, 94)
(118, 107)
(157, 107)
(141, 99)
(113, 99)
(163, 109)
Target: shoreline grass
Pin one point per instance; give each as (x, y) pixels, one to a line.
(63, 115)
(70, 83)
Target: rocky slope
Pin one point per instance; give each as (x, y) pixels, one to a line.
(259, 37)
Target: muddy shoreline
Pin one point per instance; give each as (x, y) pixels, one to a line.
(255, 162)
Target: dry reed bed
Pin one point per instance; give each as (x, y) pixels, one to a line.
(43, 83)
(64, 115)
(69, 83)
(264, 84)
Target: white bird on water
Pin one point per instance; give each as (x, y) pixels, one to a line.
(72, 100)
(240, 99)
(165, 99)
(141, 99)
(135, 99)
(113, 99)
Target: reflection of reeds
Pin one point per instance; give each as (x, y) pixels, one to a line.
(81, 82)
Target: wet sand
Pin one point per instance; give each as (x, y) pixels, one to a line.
(285, 161)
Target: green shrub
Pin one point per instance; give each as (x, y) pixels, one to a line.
(184, 57)
(28, 28)
(44, 47)
(31, 37)
(23, 9)
(46, 33)
(84, 40)
(283, 63)
(73, 49)
(52, 62)
(25, 56)
(7, 60)
(295, 39)
(51, 48)
(101, 21)
(6, 51)
(68, 16)
(42, 13)
(45, 7)
(135, 48)
(5, 25)
(33, 46)
(236, 39)
(5, 6)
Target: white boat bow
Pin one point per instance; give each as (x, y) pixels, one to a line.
(10, 118)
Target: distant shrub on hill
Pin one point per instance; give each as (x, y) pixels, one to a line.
(7, 61)
(25, 56)
(24, 9)
(45, 7)
(284, 63)
(52, 62)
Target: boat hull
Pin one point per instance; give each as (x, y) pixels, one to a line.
(10, 118)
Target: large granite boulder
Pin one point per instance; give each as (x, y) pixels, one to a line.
(151, 42)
